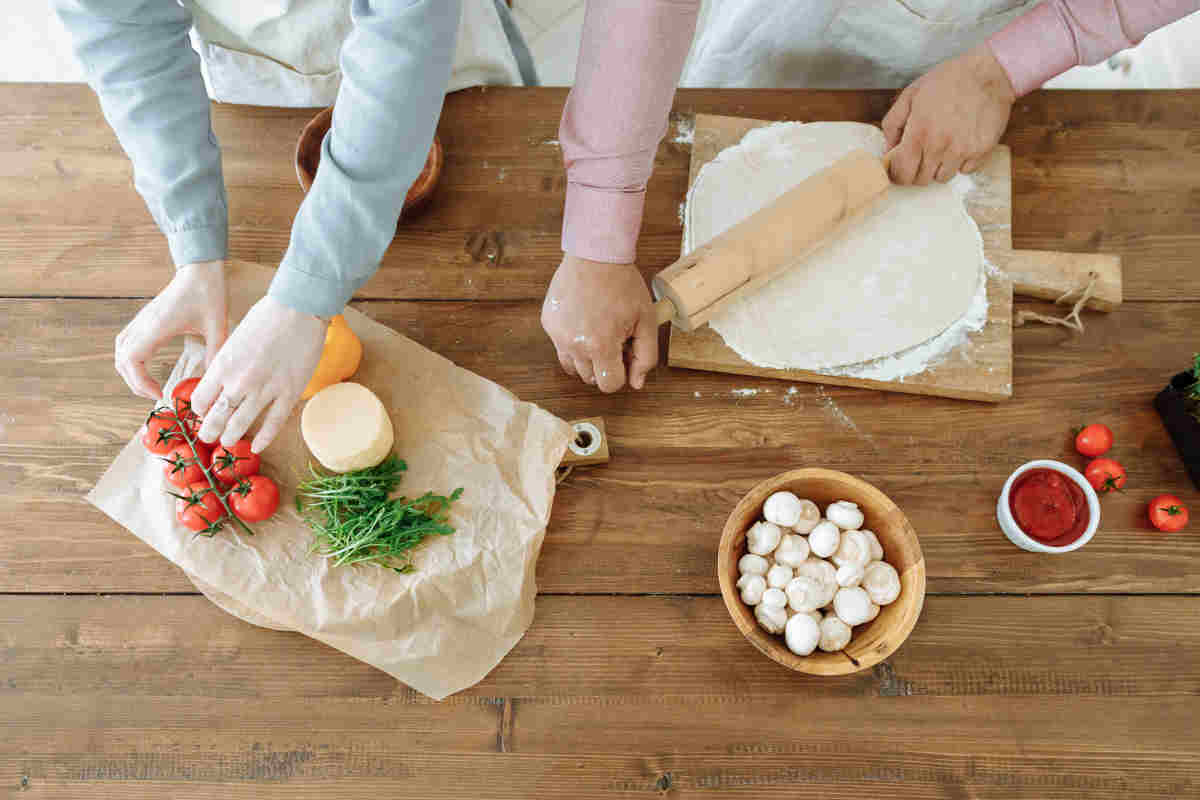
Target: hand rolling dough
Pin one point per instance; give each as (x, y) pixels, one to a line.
(892, 280)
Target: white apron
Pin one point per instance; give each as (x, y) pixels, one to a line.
(285, 52)
(839, 44)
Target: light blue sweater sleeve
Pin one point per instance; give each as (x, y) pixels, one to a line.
(139, 62)
(395, 67)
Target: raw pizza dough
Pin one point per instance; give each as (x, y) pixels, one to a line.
(894, 279)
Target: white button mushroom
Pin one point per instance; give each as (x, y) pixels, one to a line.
(774, 597)
(778, 576)
(805, 594)
(802, 634)
(852, 605)
(773, 619)
(835, 634)
(810, 515)
(881, 582)
(816, 615)
(750, 564)
(752, 587)
(876, 547)
(853, 548)
(824, 539)
(825, 576)
(849, 575)
(763, 538)
(792, 550)
(874, 612)
(783, 508)
(845, 515)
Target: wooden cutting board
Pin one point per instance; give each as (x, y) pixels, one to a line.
(981, 368)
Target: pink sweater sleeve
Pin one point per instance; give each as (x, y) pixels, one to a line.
(1060, 34)
(629, 64)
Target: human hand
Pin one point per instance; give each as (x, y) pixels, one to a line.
(947, 120)
(265, 365)
(591, 310)
(193, 302)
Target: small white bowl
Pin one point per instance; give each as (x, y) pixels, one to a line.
(1018, 537)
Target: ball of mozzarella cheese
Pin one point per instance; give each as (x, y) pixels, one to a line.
(802, 634)
(783, 509)
(751, 564)
(763, 538)
(792, 550)
(773, 619)
(824, 539)
(835, 634)
(845, 515)
(881, 582)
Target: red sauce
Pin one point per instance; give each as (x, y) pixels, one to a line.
(1049, 507)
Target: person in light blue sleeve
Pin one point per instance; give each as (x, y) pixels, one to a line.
(388, 64)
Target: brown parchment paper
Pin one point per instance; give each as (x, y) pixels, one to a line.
(471, 597)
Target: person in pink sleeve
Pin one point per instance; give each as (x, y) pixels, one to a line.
(962, 63)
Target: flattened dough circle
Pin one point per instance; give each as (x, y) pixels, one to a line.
(894, 279)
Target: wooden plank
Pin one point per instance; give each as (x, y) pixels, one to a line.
(686, 448)
(992, 697)
(980, 369)
(1049, 276)
(1093, 172)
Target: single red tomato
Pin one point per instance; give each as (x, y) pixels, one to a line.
(1105, 475)
(183, 468)
(198, 507)
(183, 401)
(231, 463)
(254, 499)
(1168, 513)
(162, 433)
(1094, 440)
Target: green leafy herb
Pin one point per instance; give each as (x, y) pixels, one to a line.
(356, 520)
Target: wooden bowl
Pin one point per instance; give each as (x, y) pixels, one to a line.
(308, 158)
(872, 642)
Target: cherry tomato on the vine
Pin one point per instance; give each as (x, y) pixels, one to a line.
(254, 499)
(182, 401)
(231, 463)
(198, 506)
(182, 468)
(163, 433)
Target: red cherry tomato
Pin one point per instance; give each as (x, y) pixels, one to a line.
(182, 397)
(231, 463)
(1168, 513)
(1105, 475)
(162, 434)
(182, 468)
(254, 499)
(198, 507)
(1094, 440)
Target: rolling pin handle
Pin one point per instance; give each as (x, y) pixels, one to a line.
(664, 311)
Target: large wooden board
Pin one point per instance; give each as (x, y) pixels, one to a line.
(980, 369)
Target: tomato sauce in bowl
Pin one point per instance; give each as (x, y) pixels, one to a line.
(1049, 507)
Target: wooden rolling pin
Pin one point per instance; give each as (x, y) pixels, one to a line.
(774, 239)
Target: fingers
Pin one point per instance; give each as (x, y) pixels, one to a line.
(645, 350)
(610, 371)
(243, 418)
(130, 355)
(218, 416)
(583, 368)
(893, 123)
(206, 391)
(931, 161)
(568, 364)
(906, 160)
(969, 166)
(281, 409)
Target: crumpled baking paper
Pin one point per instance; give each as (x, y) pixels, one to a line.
(471, 597)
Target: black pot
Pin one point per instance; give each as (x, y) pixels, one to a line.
(1172, 406)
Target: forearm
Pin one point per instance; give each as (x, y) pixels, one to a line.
(1060, 34)
(629, 64)
(395, 67)
(139, 62)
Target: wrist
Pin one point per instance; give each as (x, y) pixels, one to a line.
(991, 73)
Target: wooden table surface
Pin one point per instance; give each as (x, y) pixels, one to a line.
(1027, 676)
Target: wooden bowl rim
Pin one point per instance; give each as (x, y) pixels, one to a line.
(774, 647)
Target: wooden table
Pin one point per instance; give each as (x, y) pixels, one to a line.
(1027, 676)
